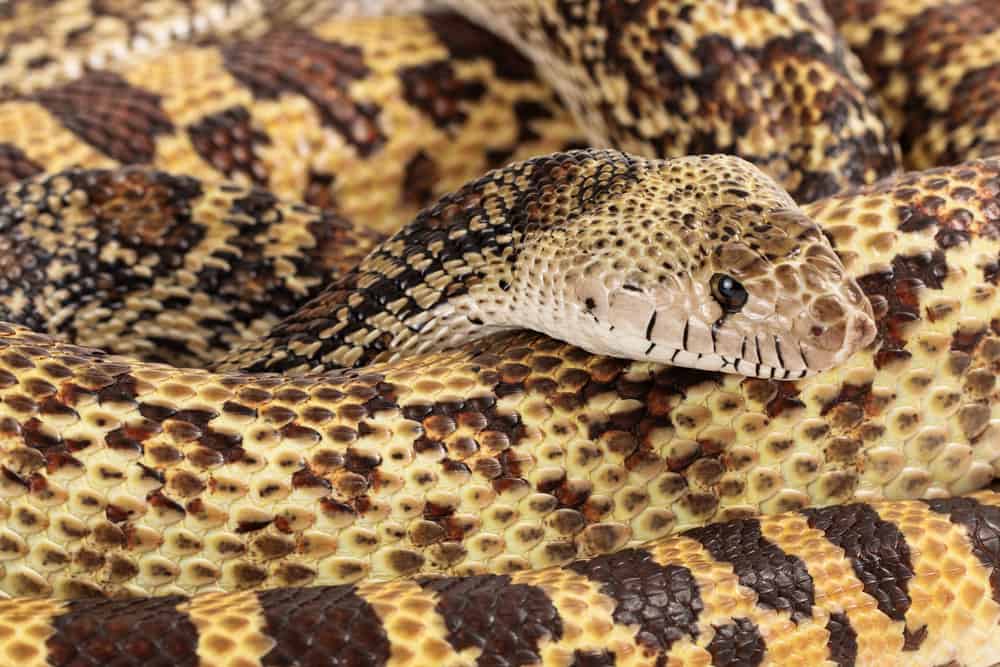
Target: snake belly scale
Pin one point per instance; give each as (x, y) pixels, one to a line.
(547, 504)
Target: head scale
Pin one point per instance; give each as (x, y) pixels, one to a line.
(701, 261)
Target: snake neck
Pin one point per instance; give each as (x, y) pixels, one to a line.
(460, 271)
(370, 317)
(613, 253)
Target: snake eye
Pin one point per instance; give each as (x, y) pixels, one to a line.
(730, 294)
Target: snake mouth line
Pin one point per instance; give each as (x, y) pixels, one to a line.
(725, 364)
(765, 354)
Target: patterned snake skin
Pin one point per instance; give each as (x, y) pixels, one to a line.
(126, 478)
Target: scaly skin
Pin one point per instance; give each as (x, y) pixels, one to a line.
(924, 252)
(517, 453)
(800, 588)
(49, 42)
(398, 112)
(771, 82)
(617, 254)
(936, 65)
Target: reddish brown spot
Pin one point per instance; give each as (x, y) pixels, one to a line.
(435, 89)
(296, 61)
(895, 296)
(110, 114)
(966, 341)
(229, 141)
(307, 479)
(914, 639)
(786, 398)
(252, 526)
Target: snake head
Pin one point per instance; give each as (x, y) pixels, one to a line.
(703, 262)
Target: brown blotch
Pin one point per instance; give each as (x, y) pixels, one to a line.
(296, 61)
(102, 631)
(895, 297)
(110, 114)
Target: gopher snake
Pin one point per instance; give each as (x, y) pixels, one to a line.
(514, 452)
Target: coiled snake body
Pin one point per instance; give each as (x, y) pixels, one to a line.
(298, 491)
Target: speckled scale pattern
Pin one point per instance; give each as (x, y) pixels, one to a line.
(517, 452)
(394, 112)
(669, 602)
(163, 267)
(652, 78)
(54, 41)
(921, 245)
(936, 66)
(629, 248)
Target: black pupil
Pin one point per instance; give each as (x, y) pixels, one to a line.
(730, 294)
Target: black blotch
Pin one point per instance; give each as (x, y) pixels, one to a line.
(506, 622)
(780, 580)
(663, 602)
(737, 644)
(325, 625)
(877, 550)
(843, 641)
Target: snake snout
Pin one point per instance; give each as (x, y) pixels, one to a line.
(827, 344)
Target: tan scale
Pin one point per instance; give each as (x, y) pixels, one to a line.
(837, 588)
(344, 493)
(142, 326)
(940, 412)
(674, 65)
(55, 41)
(417, 632)
(934, 63)
(408, 623)
(24, 629)
(231, 631)
(382, 189)
(951, 588)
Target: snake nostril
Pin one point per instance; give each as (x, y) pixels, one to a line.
(816, 331)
